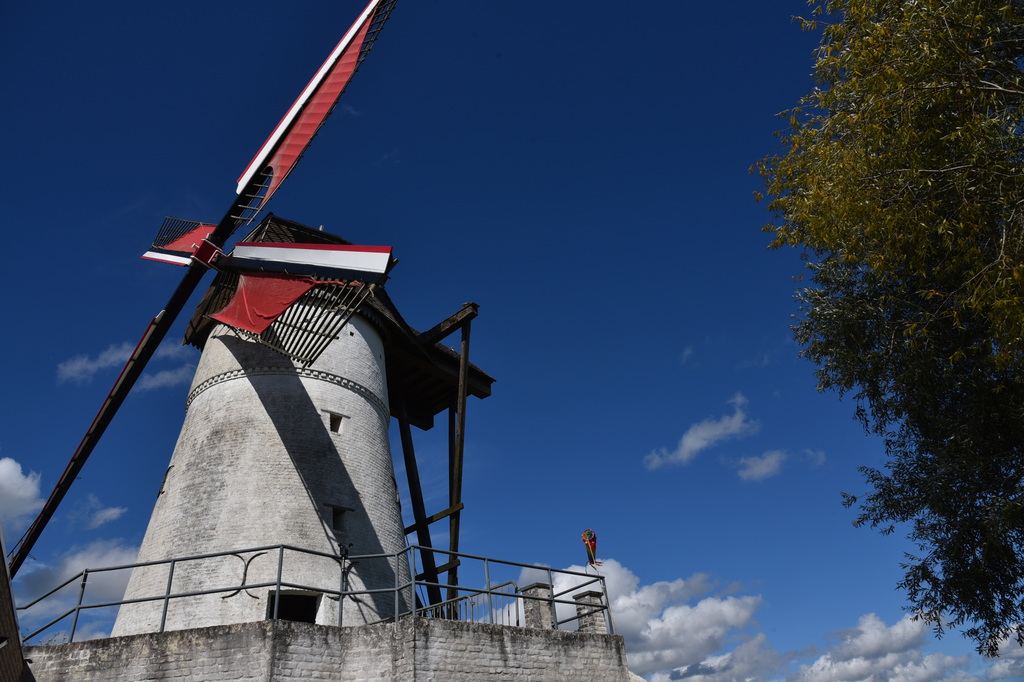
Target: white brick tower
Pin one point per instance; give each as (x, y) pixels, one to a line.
(272, 453)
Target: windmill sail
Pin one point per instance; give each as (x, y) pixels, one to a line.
(285, 146)
(276, 159)
(178, 240)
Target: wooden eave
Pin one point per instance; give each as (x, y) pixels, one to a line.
(426, 373)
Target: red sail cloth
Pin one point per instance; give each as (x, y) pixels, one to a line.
(260, 299)
(314, 113)
(190, 241)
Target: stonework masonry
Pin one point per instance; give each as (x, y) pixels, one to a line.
(411, 650)
(271, 453)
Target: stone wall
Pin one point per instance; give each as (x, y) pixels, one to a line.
(410, 650)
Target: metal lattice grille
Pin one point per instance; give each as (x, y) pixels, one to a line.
(304, 330)
(173, 229)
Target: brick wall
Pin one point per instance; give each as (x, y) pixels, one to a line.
(271, 453)
(411, 650)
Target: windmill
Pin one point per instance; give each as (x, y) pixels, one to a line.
(305, 361)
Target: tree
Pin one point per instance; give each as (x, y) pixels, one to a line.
(901, 178)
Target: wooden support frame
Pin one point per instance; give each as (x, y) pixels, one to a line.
(456, 450)
(433, 518)
(419, 512)
(461, 320)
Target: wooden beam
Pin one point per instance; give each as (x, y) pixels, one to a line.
(416, 496)
(455, 463)
(454, 563)
(435, 517)
(446, 327)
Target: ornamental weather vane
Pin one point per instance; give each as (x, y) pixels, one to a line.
(589, 538)
(277, 273)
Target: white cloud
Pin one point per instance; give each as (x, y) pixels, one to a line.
(760, 468)
(703, 435)
(751, 660)
(105, 515)
(872, 638)
(686, 629)
(815, 457)
(667, 624)
(1010, 665)
(19, 496)
(874, 651)
(685, 356)
(185, 356)
(175, 351)
(167, 377)
(95, 514)
(81, 368)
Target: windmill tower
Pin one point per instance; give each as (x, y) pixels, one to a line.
(285, 442)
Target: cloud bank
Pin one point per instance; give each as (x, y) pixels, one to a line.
(688, 629)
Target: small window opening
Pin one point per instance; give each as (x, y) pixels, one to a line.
(338, 516)
(335, 421)
(301, 606)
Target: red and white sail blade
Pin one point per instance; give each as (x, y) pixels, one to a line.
(365, 263)
(178, 241)
(293, 134)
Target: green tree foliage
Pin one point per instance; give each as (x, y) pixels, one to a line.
(901, 178)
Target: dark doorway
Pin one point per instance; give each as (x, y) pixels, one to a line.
(301, 607)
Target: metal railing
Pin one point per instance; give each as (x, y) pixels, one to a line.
(496, 597)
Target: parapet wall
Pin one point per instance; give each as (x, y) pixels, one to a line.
(411, 650)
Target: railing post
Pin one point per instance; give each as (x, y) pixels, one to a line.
(341, 589)
(277, 587)
(398, 586)
(167, 595)
(490, 597)
(607, 607)
(413, 571)
(78, 607)
(554, 606)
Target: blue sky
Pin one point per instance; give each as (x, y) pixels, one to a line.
(580, 170)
